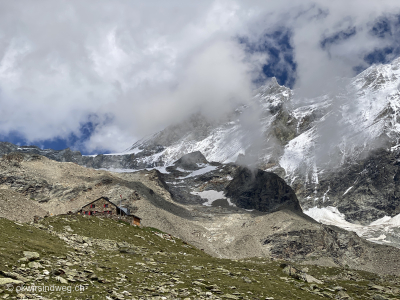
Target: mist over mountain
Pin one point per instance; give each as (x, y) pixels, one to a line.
(331, 149)
(335, 150)
(97, 78)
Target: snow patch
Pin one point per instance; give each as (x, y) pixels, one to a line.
(395, 148)
(382, 237)
(119, 170)
(381, 221)
(210, 196)
(347, 190)
(387, 221)
(298, 151)
(132, 151)
(329, 215)
(381, 231)
(230, 202)
(160, 169)
(199, 172)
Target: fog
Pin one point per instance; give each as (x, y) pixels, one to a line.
(131, 68)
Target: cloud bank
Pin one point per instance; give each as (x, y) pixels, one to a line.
(125, 69)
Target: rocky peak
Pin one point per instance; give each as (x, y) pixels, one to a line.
(260, 190)
(191, 161)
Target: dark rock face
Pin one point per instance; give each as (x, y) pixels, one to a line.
(260, 190)
(364, 191)
(190, 161)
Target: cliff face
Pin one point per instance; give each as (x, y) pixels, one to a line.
(364, 191)
(260, 190)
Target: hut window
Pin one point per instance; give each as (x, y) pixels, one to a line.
(92, 206)
(105, 205)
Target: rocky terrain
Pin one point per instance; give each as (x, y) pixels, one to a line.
(78, 257)
(190, 201)
(26, 208)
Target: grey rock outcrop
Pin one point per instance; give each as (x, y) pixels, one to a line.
(9, 281)
(260, 190)
(31, 256)
(191, 161)
(298, 274)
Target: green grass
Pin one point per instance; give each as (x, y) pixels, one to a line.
(18, 238)
(153, 261)
(152, 229)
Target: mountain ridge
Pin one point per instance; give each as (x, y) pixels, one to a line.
(336, 150)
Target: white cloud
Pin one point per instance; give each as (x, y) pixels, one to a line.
(150, 63)
(108, 137)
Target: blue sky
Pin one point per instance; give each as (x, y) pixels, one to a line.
(96, 79)
(72, 141)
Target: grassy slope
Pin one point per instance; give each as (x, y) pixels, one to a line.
(153, 261)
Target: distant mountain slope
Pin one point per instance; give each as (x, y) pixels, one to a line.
(223, 141)
(335, 150)
(340, 149)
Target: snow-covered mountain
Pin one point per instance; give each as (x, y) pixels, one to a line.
(340, 152)
(224, 141)
(339, 149)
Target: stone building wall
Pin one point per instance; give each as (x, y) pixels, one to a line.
(100, 206)
(103, 208)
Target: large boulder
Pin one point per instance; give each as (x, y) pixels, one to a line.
(9, 282)
(260, 190)
(30, 256)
